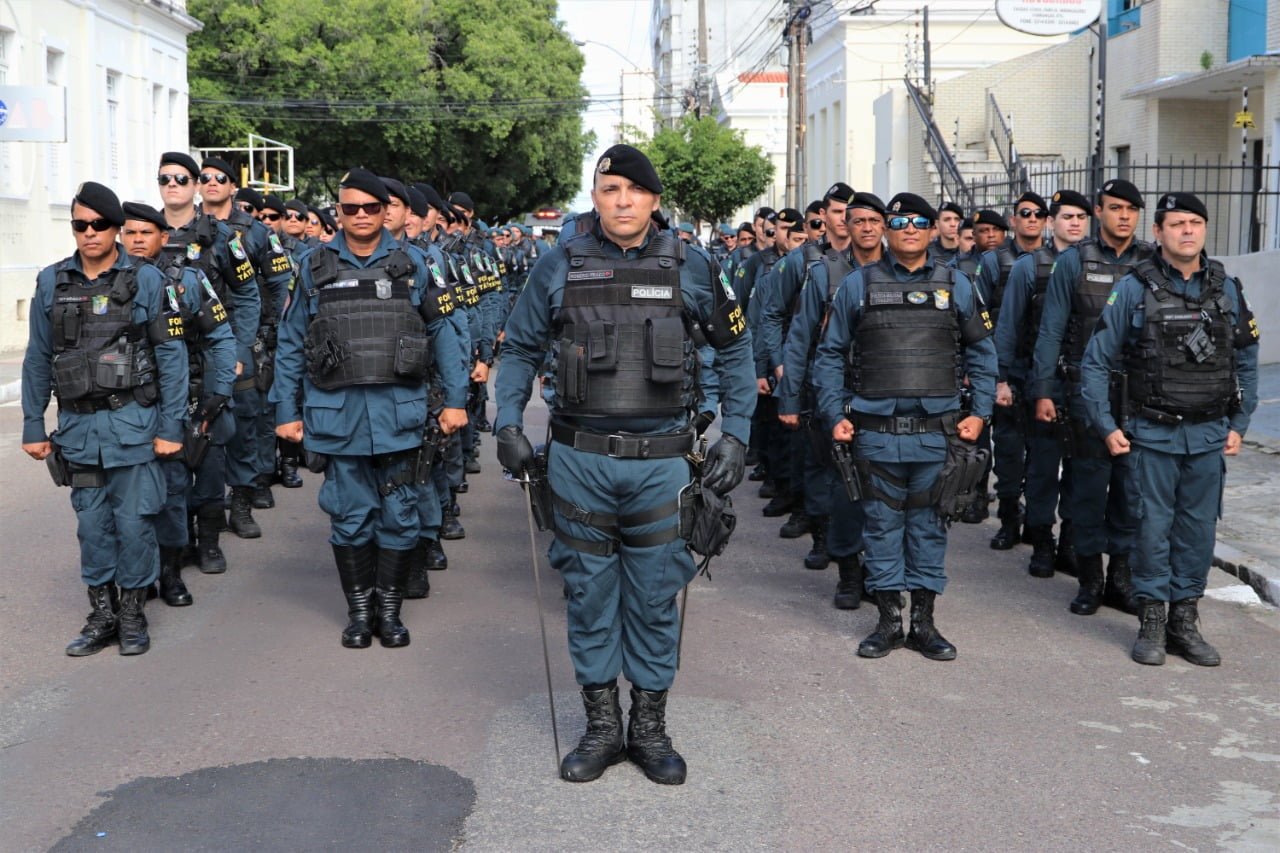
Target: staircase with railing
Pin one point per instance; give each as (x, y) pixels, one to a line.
(951, 183)
(1002, 140)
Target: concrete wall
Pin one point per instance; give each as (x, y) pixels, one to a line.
(1257, 274)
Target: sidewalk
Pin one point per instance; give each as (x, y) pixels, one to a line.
(1248, 543)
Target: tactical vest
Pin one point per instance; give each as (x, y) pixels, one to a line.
(196, 245)
(1097, 277)
(100, 354)
(967, 264)
(622, 348)
(196, 325)
(838, 265)
(1171, 371)
(1005, 259)
(907, 342)
(1030, 330)
(366, 330)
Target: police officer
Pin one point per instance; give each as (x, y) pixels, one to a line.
(106, 338)
(1101, 501)
(815, 226)
(364, 399)
(1181, 328)
(946, 245)
(211, 365)
(903, 327)
(837, 521)
(1016, 331)
(620, 429)
(209, 244)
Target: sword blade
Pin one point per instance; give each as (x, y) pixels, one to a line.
(542, 622)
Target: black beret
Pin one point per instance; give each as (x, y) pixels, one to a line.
(772, 217)
(815, 206)
(297, 205)
(747, 227)
(325, 218)
(461, 201)
(180, 158)
(366, 182)
(951, 207)
(145, 213)
(966, 223)
(765, 213)
(987, 216)
(101, 200)
(790, 217)
(397, 189)
(1070, 198)
(433, 198)
(840, 192)
(630, 163)
(1034, 198)
(418, 202)
(1123, 190)
(1183, 201)
(869, 201)
(222, 166)
(252, 196)
(911, 203)
(274, 202)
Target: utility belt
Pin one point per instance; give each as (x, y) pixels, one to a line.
(396, 469)
(114, 402)
(612, 525)
(895, 425)
(73, 474)
(247, 384)
(625, 445)
(1167, 418)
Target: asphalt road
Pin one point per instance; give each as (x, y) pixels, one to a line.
(248, 727)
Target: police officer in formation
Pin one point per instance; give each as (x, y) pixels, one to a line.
(1101, 501)
(359, 339)
(1181, 328)
(907, 332)
(106, 338)
(623, 306)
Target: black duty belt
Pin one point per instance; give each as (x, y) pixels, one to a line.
(625, 445)
(895, 425)
(245, 384)
(611, 525)
(88, 407)
(1173, 418)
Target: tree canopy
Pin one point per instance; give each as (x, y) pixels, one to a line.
(475, 95)
(707, 170)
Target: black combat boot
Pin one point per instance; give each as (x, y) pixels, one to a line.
(768, 489)
(172, 589)
(781, 503)
(1009, 534)
(978, 511)
(758, 473)
(1089, 598)
(450, 527)
(417, 585)
(849, 588)
(647, 742)
(1149, 647)
(1041, 539)
(796, 526)
(261, 494)
(190, 551)
(924, 636)
(357, 567)
(437, 560)
(601, 747)
(472, 465)
(1065, 560)
(393, 572)
(241, 522)
(1118, 591)
(100, 628)
(1183, 638)
(132, 622)
(888, 633)
(817, 559)
(209, 522)
(290, 453)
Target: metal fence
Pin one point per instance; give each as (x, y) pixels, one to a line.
(1243, 200)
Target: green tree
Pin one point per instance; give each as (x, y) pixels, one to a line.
(707, 170)
(482, 95)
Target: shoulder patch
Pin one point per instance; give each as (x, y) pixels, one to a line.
(1111, 300)
(236, 247)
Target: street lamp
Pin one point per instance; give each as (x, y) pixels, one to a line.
(657, 85)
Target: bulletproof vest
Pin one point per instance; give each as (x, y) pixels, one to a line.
(622, 349)
(98, 350)
(196, 245)
(366, 330)
(1045, 258)
(1005, 258)
(838, 265)
(907, 342)
(967, 264)
(1097, 277)
(1184, 360)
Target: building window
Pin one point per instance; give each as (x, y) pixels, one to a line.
(1123, 161)
(55, 153)
(1123, 15)
(114, 87)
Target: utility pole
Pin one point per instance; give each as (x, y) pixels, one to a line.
(702, 85)
(802, 108)
(796, 36)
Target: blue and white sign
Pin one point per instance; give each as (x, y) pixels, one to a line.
(33, 114)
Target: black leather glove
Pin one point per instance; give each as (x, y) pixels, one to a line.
(515, 453)
(211, 408)
(703, 422)
(724, 466)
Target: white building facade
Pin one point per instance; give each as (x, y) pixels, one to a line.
(123, 64)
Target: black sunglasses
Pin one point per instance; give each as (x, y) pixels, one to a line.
(294, 217)
(246, 207)
(817, 223)
(206, 177)
(271, 217)
(769, 232)
(900, 223)
(373, 208)
(1028, 212)
(82, 225)
(180, 180)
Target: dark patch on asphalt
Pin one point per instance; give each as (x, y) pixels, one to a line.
(284, 804)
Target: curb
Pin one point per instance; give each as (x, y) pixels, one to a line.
(1263, 577)
(13, 390)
